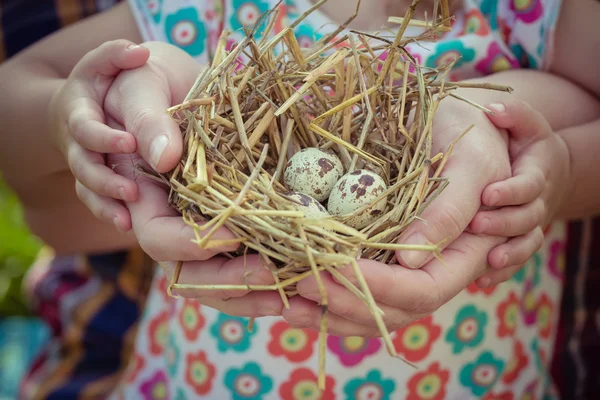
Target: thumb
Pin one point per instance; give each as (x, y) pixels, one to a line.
(139, 102)
(520, 119)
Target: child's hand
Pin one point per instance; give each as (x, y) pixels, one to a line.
(76, 112)
(137, 101)
(527, 201)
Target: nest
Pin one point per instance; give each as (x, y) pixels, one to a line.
(360, 96)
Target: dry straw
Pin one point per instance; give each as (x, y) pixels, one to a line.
(241, 122)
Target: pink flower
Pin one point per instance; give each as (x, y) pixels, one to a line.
(155, 388)
(527, 11)
(495, 61)
(353, 349)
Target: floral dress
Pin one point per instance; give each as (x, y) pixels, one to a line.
(491, 343)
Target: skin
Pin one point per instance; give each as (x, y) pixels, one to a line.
(394, 286)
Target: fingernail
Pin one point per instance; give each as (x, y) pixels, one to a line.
(484, 282)
(116, 223)
(486, 225)
(267, 312)
(157, 148)
(134, 47)
(497, 108)
(414, 258)
(504, 261)
(494, 198)
(123, 146)
(122, 193)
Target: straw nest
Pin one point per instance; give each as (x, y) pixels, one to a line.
(243, 121)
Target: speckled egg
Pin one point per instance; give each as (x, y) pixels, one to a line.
(312, 208)
(313, 172)
(353, 191)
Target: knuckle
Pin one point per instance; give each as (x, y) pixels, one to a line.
(452, 220)
(140, 117)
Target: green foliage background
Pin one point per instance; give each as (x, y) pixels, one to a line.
(18, 249)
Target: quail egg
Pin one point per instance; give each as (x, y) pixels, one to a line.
(313, 172)
(312, 208)
(355, 190)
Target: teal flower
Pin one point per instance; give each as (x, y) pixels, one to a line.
(185, 30)
(180, 395)
(231, 333)
(481, 375)
(155, 8)
(306, 35)
(372, 386)
(172, 356)
(248, 13)
(468, 329)
(446, 52)
(489, 8)
(248, 382)
(531, 269)
(525, 59)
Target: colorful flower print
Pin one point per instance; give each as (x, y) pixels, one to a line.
(556, 263)
(415, 340)
(248, 13)
(481, 375)
(499, 396)
(495, 61)
(489, 8)
(529, 392)
(527, 11)
(529, 303)
(158, 330)
(248, 382)
(185, 30)
(446, 52)
(294, 344)
(531, 270)
(352, 350)
(429, 384)
(517, 363)
(199, 373)
(155, 388)
(155, 8)
(172, 356)
(163, 284)
(508, 313)
(468, 329)
(135, 366)
(476, 23)
(525, 59)
(180, 395)
(473, 288)
(191, 319)
(372, 387)
(231, 333)
(306, 35)
(544, 316)
(303, 385)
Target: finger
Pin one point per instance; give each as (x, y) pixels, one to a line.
(446, 217)
(252, 305)
(509, 221)
(160, 230)
(526, 185)
(346, 304)
(110, 58)
(520, 119)
(517, 250)
(304, 313)
(86, 125)
(218, 271)
(89, 168)
(496, 277)
(104, 208)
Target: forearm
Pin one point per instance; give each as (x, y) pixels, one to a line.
(584, 188)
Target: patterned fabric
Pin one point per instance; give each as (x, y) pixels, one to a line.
(576, 364)
(92, 305)
(493, 343)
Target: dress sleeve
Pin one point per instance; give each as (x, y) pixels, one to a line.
(193, 26)
(527, 27)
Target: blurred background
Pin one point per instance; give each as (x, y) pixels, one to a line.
(21, 334)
